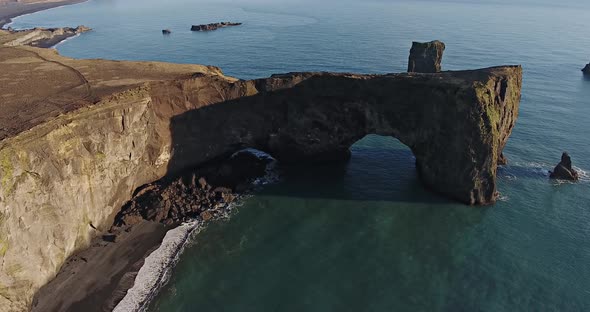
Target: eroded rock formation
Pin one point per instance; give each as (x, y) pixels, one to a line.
(213, 26)
(64, 174)
(564, 170)
(426, 57)
(586, 69)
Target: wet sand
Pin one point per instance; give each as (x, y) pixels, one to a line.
(97, 278)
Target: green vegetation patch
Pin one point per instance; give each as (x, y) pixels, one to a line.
(6, 171)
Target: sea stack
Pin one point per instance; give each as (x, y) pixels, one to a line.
(586, 70)
(426, 57)
(564, 170)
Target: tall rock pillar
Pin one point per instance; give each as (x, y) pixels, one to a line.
(426, 57)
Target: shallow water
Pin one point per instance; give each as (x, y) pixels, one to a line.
(365, 236)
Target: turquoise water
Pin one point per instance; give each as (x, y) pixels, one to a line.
(365, 236)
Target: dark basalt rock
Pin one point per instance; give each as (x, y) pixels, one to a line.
(502, 160)
(564, 170)
(166, 31)
(213, 26)
(586, 70)
(203, 192)
(426, 57)
(48, 37)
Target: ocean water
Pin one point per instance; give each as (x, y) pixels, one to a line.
(365, 236)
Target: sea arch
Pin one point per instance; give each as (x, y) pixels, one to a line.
(455, 123)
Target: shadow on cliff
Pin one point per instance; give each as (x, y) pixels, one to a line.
(314, 143)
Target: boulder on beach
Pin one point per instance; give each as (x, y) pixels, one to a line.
(586, 70)
(564, 170)
(426, 57)
(166, 31)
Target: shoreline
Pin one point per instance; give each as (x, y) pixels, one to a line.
(125, 268)
(98, 277)
(14, 10)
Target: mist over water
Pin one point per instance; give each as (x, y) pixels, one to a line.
(365, 236)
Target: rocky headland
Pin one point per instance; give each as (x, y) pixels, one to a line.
(213, 26)
(80, 139)
(44, 37)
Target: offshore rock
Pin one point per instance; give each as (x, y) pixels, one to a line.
(586, 70)
(166, 31)
(564, 170)
(426, 57)
(213, 26)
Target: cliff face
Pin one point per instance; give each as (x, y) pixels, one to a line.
(66, 175)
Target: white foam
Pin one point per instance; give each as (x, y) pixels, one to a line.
(67, 39)
(157, 268)
(503, 198)
(584, 177)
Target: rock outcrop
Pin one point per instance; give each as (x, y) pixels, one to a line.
(564, 170)
(66, 173)
(426, 57)
(213, 26)
(166, 31)
(586, 69)
(203, 192)
(46, 37)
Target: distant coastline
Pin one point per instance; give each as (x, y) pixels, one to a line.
(10, 10)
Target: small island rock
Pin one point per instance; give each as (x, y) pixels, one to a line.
(564, 170)
(213, 26)
(426, 57)
(166, 31)
(586, 70)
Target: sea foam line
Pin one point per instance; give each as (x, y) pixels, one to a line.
(67, 39)
(157, 268)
